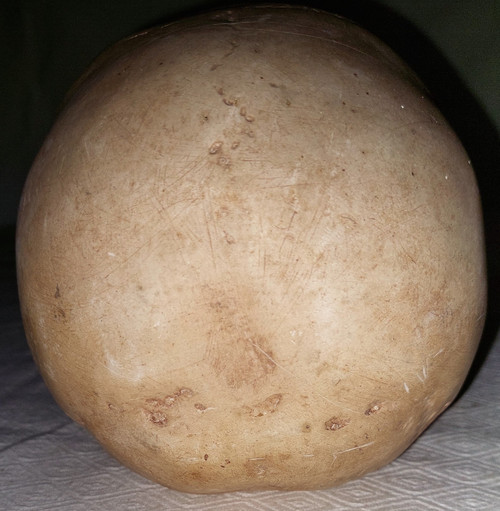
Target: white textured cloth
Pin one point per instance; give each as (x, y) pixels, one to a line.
(47, 462)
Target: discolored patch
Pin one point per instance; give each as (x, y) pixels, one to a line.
(229, 238)
(156, 409)
(373, 408)
(257, 466)
(157, 416)
(230, 101)
(236, 352)
(224, 161)
(215, 147)
(242, 360)
(267, 406)
(248, 117)
(59, 313)
(336, 423)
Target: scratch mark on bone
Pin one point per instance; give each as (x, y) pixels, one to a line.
(130, 256)
(299, 34)
(209, 234)
(438, 353)
(357, 447)
(338, 404)
(255, 345)
(285, 237)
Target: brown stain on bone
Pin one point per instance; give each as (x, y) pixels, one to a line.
(215, 147)
(237, 352)
(230, 101)
(242, 360)
(373, 408)
(336, 423)
(267, 406)
(229, 238)
(157, 417)
(156, 409)
(59, 313)
(224, 161)
(257, 466)
(246, 115)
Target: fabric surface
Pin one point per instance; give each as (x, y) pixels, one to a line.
(47, 462)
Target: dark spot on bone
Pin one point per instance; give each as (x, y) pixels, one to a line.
(157, 417)
(269, 405)
(157, 409)
(336, 423)
(373, 408)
